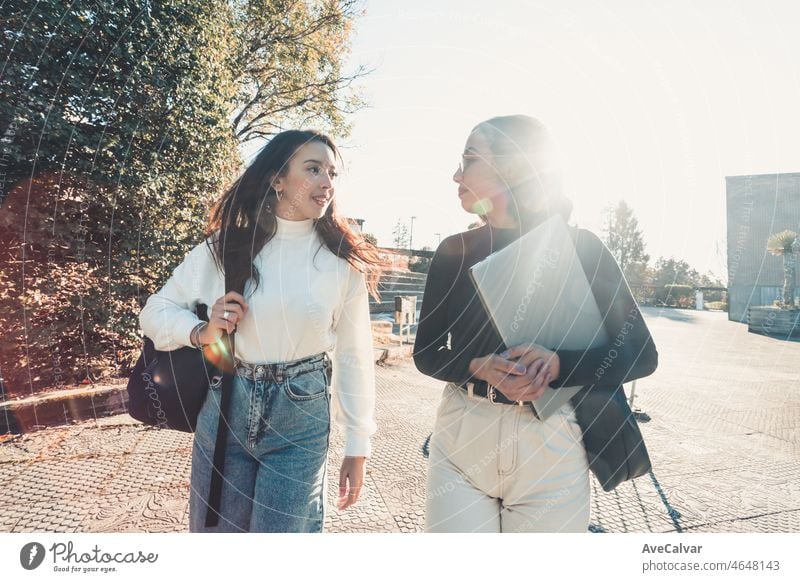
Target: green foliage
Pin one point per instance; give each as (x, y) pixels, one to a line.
(119, 137)
(675, 295)
(370, 238)
(637, 273)
(624, 239)
(784, 244)
(119, 123)
(420, 264)
(288, 66)
(673, 272)
(781, 243)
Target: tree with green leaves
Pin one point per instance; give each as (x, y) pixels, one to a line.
(117, 118)
(671, 271)
(673, 279)
(289, 56)
(119, 124)
(625, 241)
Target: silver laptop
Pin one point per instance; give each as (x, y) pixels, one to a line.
(535, 290)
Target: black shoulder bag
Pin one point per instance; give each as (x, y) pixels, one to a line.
(168, 389)
(611, 436)
(614, 444)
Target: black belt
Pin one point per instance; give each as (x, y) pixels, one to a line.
(483, 389)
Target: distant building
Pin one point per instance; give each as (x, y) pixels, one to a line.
(356, 224)
(758, 206)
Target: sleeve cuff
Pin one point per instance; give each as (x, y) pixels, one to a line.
(358, 445)
(182, 331)
(568, 361)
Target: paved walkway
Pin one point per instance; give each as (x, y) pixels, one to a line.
(724, 439)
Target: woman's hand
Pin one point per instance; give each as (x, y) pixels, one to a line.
(352, 473)
(511, 378)
(545, 361)
(226, 313)
(520, 373)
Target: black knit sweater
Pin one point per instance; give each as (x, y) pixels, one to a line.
(454, 327)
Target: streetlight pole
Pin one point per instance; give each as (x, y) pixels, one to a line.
(411, 234)
(438, 236)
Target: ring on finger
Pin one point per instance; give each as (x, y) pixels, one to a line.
(226, 315)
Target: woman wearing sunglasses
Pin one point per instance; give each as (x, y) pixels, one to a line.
(494, 466)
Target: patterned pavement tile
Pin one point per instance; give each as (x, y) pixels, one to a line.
(723, 440)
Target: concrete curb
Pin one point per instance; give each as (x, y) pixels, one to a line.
(63, 407)
(391, 353)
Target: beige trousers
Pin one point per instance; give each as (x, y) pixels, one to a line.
(497, 468)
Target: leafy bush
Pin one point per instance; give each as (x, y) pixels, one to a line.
(119, 122)
(124, 157)
(675, 295)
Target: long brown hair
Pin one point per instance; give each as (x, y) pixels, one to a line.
(243, 220)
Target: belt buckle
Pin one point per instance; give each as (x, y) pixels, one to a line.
(491, 395)
(470, 391)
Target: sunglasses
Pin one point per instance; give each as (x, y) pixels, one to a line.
(468, 159)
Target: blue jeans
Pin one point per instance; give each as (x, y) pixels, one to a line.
(275, 459)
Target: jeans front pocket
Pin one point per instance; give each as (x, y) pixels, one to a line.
(300, 413)
(308, 386)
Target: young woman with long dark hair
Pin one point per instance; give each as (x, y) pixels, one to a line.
(494, 466)
(306, 277)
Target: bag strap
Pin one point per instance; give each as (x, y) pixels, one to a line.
(215, 489)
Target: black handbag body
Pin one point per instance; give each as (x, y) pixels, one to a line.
(611, 435)
(168, 389)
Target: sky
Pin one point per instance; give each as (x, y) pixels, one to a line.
(651, 102)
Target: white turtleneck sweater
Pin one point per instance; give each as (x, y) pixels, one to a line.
(308, 301)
